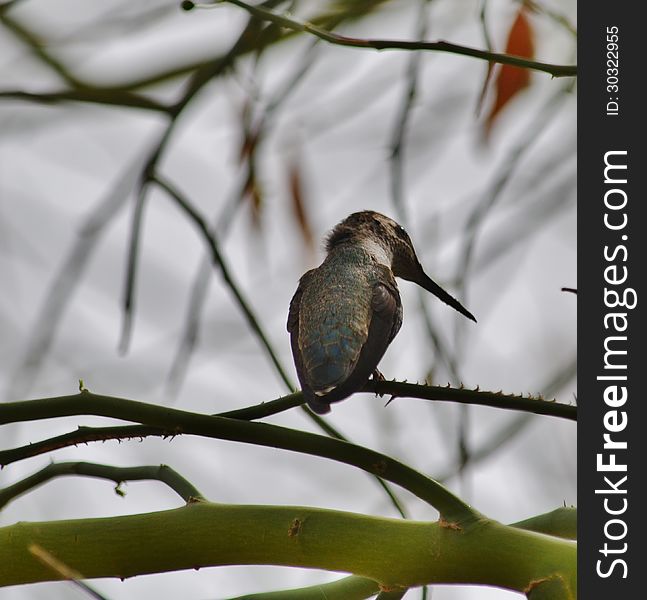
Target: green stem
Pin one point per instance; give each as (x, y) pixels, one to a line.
(348, 588)
(561, 522)
(176, 421)
(393, 552)
(161, 473)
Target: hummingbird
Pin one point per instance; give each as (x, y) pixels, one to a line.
(347, 311)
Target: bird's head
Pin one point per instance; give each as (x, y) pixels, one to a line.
(388, 243)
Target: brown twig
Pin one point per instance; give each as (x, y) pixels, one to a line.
(378, 44)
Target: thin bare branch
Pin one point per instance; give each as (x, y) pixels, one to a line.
(502, 177)
(397, 161)
(68, 277)
(219, 260)
(65, 572)
(376, 44)
(92, 96)
(199, 78)
(220, 229)
(31, 40)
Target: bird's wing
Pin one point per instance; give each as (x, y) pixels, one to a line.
(293, 312)
(386, 318)
(344, 345)
(293, 329)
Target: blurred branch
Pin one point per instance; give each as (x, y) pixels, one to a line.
(131, 268)
(67, 279)
(198, 295)
(487, 39)
(348, 588)
(347, 12)
(557, 17)
(8, 4)
(375, 44)
(397, 162)
(513, 428)
(91, 95)
(199, 78)
(220, 228)
(400, 128)
(218, 259)
(162, 473)
(521, 225)
(178, 422)
(398, 147)
(63, 570)
(439, 344)
(503, 175)
(31, 40)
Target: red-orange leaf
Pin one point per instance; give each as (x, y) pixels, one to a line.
(250, 141)
(253, 194)
(511, 80)
(298, 204)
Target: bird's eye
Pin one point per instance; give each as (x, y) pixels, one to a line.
(401, 232)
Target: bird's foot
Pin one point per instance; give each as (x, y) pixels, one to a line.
(377, 376)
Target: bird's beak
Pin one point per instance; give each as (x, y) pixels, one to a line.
(426, 282)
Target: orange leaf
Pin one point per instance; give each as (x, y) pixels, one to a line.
(511, 80)
(250, 141)
(298, 204)
(253, 194)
